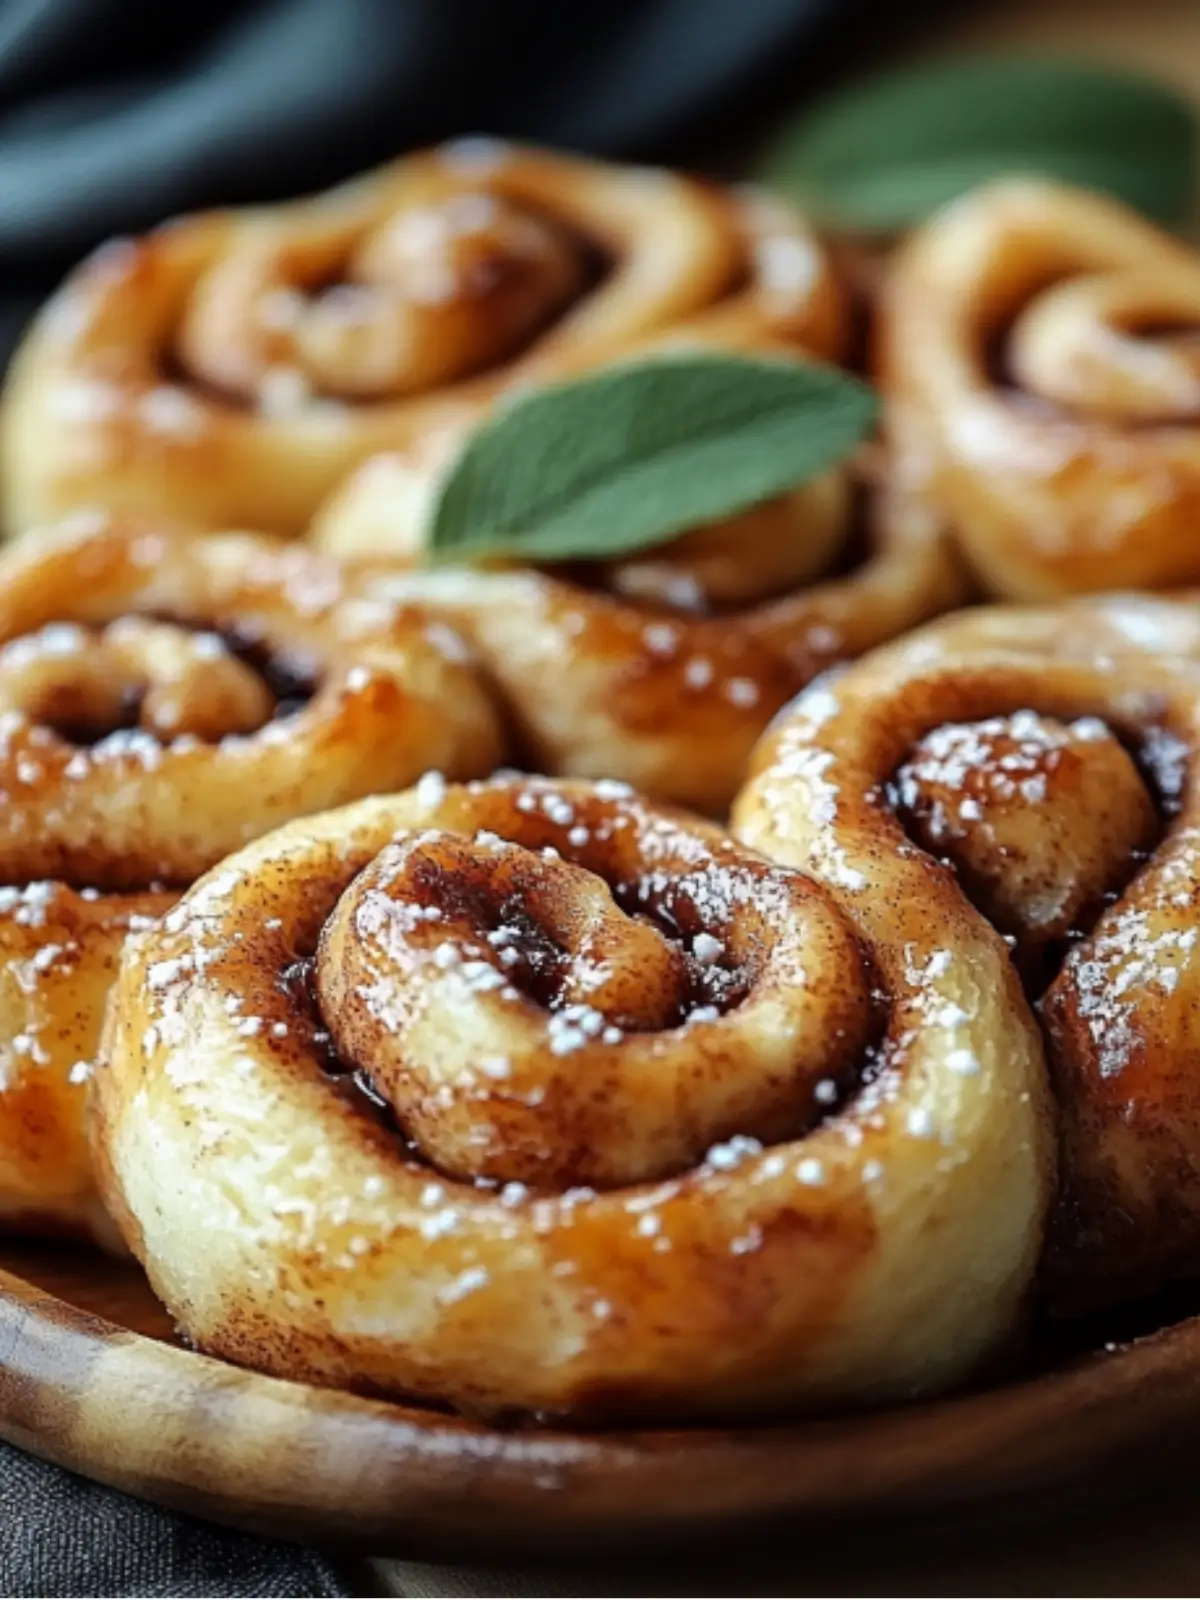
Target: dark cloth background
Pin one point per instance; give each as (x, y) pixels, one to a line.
(62, 1536)
(116, 113)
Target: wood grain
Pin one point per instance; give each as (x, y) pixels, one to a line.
(80, 1386)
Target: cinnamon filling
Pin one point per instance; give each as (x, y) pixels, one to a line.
(440, 293)
(489, 1003)
(1044, 822)
(161, 675)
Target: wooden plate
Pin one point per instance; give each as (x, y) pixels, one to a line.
(90, 1377)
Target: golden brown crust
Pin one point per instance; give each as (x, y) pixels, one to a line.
(1042, 384)
(140, 676)
(58, 956)
(209, 373)
(1041, 762)
(380, 697)
(664, 668)
(652, 1164)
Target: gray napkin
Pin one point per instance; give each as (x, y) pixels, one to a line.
(60, 1535)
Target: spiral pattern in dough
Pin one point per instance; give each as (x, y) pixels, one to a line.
(163, 700)
(1041, 370)
(663, 668)
(230, 369)
(531, 1097)
(1019, 789)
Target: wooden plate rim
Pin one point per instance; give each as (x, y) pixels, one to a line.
(276, 1457)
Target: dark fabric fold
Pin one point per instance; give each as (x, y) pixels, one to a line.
(117, 113)
(60, 1535)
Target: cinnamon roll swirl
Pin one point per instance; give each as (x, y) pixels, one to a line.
(230, 369)
(528, 1096)
(1008, 804)
(663, 668)
(162, 700)
(1042, 376)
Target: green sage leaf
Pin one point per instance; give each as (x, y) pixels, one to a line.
(889, 152)
(630, 455)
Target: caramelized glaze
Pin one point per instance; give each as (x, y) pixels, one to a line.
(135, 751)
(664, 668)
(1042, 383)
(1025, 781)
(641, 1157)
(230, 369)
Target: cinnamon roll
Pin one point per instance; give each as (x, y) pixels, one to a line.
(530, 1097)
(1042, 375)
(162, 700)
(663, 668)
(1007, 808)
(230, 369)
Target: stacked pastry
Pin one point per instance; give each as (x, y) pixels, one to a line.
(165, 699)
(538, 1095)
(318, 365)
